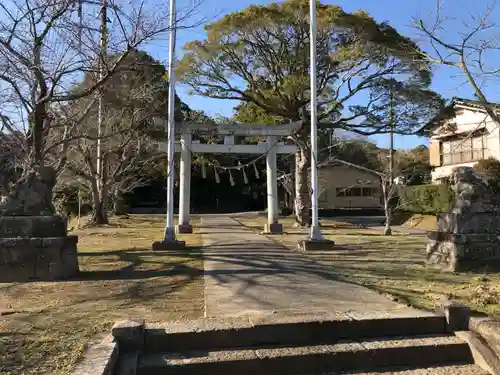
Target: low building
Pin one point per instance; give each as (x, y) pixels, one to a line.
(462, 134)
(343, 185)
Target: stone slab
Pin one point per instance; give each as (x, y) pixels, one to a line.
(32, 226)
(212, 334)
(489, 330)
(99, 359)
(46, 258)
(286, 360)
(483, 355)
(438, 370)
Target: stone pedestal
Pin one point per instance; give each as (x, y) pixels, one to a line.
(184, 229)
(467, 236)
(315, 245)
(36, 248)
(274, 228)
(458, 252)
(169, 245)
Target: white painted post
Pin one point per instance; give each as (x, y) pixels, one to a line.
(185, 184)
(315, 234)
(169, 235)
(272, 188)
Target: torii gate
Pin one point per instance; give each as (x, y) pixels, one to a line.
(270, 147)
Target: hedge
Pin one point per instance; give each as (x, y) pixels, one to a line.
(426, 199)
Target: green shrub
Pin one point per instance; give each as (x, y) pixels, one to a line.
(426, 199)
(489, 168)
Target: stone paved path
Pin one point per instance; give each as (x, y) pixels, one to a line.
(248, 274)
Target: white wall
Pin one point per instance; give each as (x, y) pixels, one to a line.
(466, 122)
(445, 171)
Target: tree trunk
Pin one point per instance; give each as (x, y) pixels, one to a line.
(99, 199)
(119, 207)
(302, 196)
(387, 210)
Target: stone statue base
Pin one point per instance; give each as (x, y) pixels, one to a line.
(478, 222)
(458, 252)
(36, 248)
(466, 238)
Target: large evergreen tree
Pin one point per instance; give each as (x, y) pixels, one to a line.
(260, 56)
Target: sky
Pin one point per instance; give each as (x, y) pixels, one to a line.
(399, 13)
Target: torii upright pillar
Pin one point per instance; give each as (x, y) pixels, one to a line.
(272, 226)
(184, 225)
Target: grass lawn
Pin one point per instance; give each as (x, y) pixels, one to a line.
(46, 326)
(392, 265)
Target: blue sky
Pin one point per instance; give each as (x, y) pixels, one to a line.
(399, 13)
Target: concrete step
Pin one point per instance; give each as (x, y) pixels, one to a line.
(438, 370)
(224, 334)
(353, 355)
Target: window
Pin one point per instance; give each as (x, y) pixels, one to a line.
(342, 192)
(356, 192)
(463, 150)
(323, 197)
(369, 191)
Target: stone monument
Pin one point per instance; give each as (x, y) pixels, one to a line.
(467, 235)
(34, 244)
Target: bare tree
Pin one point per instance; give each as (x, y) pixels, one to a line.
(45, 47)
(399, 169)
(131, 100)
(471, 47)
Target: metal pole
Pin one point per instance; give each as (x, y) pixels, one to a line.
(100, 115)
(169, 228)
(315, 229)
(391, 138)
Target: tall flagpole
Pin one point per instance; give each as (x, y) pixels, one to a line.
(315, 234)
(169, 235)
(100, 116)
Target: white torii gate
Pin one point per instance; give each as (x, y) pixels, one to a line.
(270, 147)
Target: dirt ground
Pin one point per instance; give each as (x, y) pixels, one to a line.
(46, 326)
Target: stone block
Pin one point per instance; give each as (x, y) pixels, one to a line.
(184, 229)
(129, 334)
(169, 245)
(489, 330)
(457, 315)
(484, 356)
(274, 228)
(32, 226)
(466, 236)
(315, 245)
(460, 252)
(26, 259)
(99, 359)
(480, 222)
